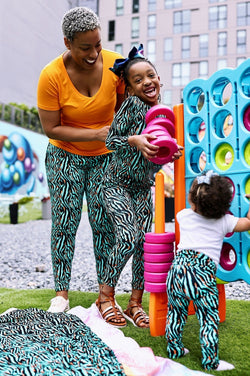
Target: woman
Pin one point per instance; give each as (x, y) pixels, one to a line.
(77, 98)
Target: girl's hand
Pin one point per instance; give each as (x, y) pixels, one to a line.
(142, 143)
(178, 154)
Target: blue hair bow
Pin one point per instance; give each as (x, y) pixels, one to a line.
(206, 177)
(120, 64)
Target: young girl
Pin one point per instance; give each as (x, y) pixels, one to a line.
(127, 187)
(193, 273)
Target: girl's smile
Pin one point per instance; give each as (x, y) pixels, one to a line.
(144, 82)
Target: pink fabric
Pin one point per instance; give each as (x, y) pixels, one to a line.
(137, 361)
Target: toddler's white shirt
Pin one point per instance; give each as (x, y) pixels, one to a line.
(202, 234)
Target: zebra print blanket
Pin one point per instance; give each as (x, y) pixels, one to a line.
(36, 342)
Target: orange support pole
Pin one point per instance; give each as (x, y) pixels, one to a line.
(159, 204)
(158, 300)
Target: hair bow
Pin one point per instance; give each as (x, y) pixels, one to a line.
(206, 177)
(120, 64)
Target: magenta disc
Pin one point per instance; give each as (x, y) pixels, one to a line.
(167, 148)
(158, 257)
(155, 287)
(164, 237)
(158, 267)
(155, 277)
(166, 123)
(158, 247)
(159, 110)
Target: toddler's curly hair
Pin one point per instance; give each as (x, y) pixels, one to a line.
(212, 200)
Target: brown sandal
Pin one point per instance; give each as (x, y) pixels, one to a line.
(112, 312)
(139, 318)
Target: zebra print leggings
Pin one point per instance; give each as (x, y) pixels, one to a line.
(130, 211)
(70, 176)
(192, 277)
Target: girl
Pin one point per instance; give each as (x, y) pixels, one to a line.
(193, 273)
(127, 187)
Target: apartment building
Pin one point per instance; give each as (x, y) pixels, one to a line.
(186, 39)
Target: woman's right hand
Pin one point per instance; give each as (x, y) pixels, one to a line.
(51, 123)
(102, 133)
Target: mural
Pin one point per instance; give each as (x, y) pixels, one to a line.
(22, 168)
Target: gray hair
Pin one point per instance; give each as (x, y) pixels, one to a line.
(77, 20)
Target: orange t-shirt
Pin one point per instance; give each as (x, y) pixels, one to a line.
(56, 92)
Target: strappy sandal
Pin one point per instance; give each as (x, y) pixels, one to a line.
(139, 318)
(112, 315)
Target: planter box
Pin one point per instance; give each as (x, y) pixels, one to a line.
(169, 209)
(13, 208)
(46, 209)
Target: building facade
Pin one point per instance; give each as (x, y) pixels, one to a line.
(186, 39)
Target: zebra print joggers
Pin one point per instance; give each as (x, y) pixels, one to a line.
(192, 277)
(69, 177)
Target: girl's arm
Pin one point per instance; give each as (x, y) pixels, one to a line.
(51, 123)
(243, 224)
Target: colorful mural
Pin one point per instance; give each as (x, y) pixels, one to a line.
(22, 168)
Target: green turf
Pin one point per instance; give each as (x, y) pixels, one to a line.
(234, 333)
(30, 211)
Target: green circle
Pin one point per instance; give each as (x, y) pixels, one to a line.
(247, 153)
(16, 178)
(247, 186)
(7, 144)
(220, 156)
(248, 259)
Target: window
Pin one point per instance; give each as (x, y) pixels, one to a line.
(151, 50)
(243, 13)
(203, 69)
(221, 64)
(170, 4)
(135, 6)
(135, 44)
(135, 27)
(93, 4)
(168, 49)
(119, 48)
(185, 47)
(240, 60)
(222, 44)
(218, 17)
(151, 25)
(151, 5)
(203, 45)
(180, 74)
(181, 21)
(241, 41)
(111, 35)
(167, 98)
(119, 7)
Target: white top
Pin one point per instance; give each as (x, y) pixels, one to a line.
(202, 234)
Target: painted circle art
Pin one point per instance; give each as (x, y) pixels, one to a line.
(18, 164)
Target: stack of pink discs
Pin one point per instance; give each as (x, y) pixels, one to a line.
(163, 128)
(158, 257)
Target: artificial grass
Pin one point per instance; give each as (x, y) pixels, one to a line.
(234, 332)
(30, 211)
